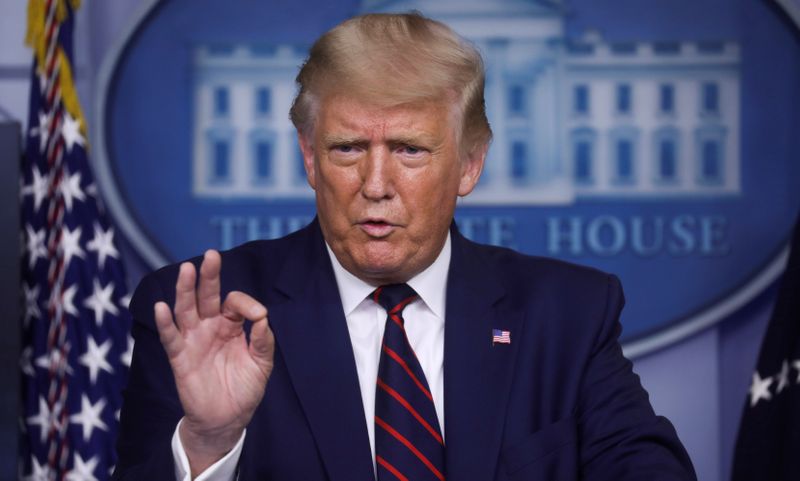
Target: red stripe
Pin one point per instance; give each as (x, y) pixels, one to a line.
(403, 364)
(380, 422)
(410, 409)
(390, 468)
(397, 320)
(399, 307)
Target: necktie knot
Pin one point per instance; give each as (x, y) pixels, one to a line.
(394, 297)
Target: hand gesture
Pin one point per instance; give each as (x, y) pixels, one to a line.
(220, 377)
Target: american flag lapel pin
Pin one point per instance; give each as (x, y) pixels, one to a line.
(500, 336)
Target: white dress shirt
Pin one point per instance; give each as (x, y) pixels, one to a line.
(366, 320)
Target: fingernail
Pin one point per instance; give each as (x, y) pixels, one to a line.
(256, 312)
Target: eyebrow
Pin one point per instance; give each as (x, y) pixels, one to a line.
(334, 139)
(419, 139)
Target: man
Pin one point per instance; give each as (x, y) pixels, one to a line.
(486, 365)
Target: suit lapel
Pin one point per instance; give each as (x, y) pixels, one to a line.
(311, 331)
(477, 373)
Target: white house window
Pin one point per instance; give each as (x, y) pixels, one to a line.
(666, 154)
(580, 103)
(710, 98)
(519, 160)
(666, 99)
(583, 161)
(667, 168)
(263, 101)
(263, 160)
(711, 161)
(623, 155)
(221, 101)
(624, 99)
(219, 157)
(624, 160)
(262, 156)
(583, 155)
(516, 100)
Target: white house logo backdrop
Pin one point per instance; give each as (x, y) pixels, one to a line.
(658, 141)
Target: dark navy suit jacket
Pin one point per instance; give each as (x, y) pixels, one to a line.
(558, 403)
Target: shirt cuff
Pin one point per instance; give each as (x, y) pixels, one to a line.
(222, 470)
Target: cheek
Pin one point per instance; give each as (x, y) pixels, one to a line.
(336, 191)
(433, 202)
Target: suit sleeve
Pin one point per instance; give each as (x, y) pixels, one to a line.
(621, 436)
(151, 409)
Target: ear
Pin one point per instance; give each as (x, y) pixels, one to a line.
(471, 168)
(307, 148)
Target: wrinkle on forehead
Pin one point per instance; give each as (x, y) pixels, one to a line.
(358, 122)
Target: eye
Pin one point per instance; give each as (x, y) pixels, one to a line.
(411, 150)
(345, 149)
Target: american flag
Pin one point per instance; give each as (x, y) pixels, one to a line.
(501, 337)
(76, 346)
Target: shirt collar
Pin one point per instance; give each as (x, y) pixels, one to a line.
(430, 284)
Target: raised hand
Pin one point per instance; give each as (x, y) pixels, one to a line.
(220, 378)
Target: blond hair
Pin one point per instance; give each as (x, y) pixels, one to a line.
(393, 59)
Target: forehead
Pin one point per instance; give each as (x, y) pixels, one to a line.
(342, 114)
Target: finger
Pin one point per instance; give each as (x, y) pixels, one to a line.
(208, 290)
(239, 306)
(167, 331)
(185, 298)
(262, 344)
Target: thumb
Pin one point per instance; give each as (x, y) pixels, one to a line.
(262, 344)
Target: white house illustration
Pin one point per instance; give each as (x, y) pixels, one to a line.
(573, 118)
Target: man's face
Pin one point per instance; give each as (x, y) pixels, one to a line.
(386, 182)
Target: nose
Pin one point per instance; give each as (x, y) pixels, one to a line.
(377, 174)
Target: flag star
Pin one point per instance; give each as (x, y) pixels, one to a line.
(100, 301)
(70, 188)
(55, 360)
(38, 188)
(82, 470)
(125, 301)
(68, 300)
(71, 245)
(71, 131)
(796, 365)
(760, 389)
(31, 303)
(45, 419)
(103, 244)
(783, 377)
(35, 244)
(42, 130)
(25, 361)
(95, 358)
(89, 417)
(128, 354)
(40, 472)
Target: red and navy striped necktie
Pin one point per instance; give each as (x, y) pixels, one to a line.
(408, 440)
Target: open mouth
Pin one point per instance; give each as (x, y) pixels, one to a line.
(376, 228)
